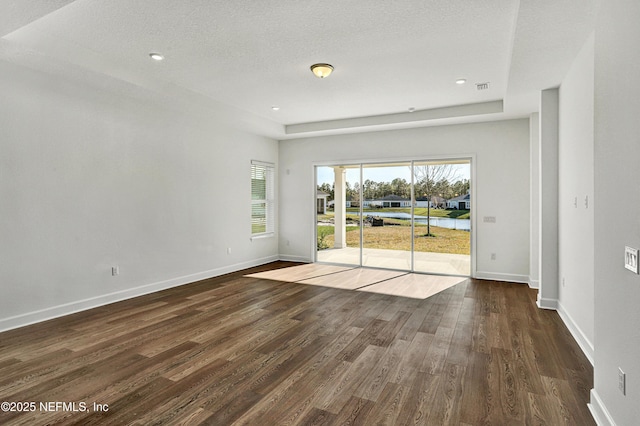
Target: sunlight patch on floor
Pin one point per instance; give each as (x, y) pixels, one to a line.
(395, 283)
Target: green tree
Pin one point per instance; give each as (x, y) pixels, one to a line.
(461, 187)
(401, 188)
(370, 189)
(352, 192)
(329, 189)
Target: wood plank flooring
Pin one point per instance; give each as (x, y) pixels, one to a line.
(250, 351)
(394, 283)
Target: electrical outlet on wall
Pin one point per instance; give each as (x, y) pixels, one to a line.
(493, 256)
(115, 270)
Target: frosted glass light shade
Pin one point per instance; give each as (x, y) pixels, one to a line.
(321, 70)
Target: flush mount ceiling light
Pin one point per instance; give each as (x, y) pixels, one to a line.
(275, 108)
(156, 56)
(461, 81)
(321, 70)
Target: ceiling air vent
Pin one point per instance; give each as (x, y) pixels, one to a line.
(482, 86)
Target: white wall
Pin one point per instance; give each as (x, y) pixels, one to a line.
(575, 199)
(90, 179)
(502, 190)
(548, 202)
(617, 174)
(534, 197)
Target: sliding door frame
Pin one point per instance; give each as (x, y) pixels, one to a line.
(471, 158)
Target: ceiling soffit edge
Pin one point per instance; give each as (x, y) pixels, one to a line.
(415, 117)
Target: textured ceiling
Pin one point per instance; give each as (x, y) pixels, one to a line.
(251, 55)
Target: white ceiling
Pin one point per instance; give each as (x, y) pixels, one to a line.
(251, 55)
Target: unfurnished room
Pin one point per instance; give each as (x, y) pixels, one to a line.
(297, 213)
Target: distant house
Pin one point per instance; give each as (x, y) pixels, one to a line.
(388, 201)
(348, 203)
(394, 201)
(462, 202)
(372, 203)
(321, 202)
(436, 202)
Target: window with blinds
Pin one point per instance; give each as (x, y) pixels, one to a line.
(262, 199)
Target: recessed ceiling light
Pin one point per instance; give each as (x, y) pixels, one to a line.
(461, 81)
(275, 108)
(411, 109)
(156, 56)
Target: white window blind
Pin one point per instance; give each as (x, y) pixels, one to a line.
(262, 198)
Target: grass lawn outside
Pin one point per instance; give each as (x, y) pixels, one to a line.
(325, 234)
(399, 238)
(396, 234)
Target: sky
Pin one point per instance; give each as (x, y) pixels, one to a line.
(381, 174)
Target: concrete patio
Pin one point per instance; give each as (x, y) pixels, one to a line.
(436, 263)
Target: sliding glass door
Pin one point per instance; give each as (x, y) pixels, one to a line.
(412, 216)
(338, 236)
(386, 192)
(442, 219)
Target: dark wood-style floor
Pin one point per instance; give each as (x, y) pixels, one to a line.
(237, 350)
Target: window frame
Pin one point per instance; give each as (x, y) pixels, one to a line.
(267, 170)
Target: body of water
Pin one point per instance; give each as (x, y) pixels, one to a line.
(443, 222)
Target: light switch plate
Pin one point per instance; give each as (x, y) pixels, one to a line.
(631, 259)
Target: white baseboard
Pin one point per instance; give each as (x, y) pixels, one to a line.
(289, 258)
(534, 284)
(599, 411)
(547, 303)
(105, 299)
(497, 276)
(582, 340)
